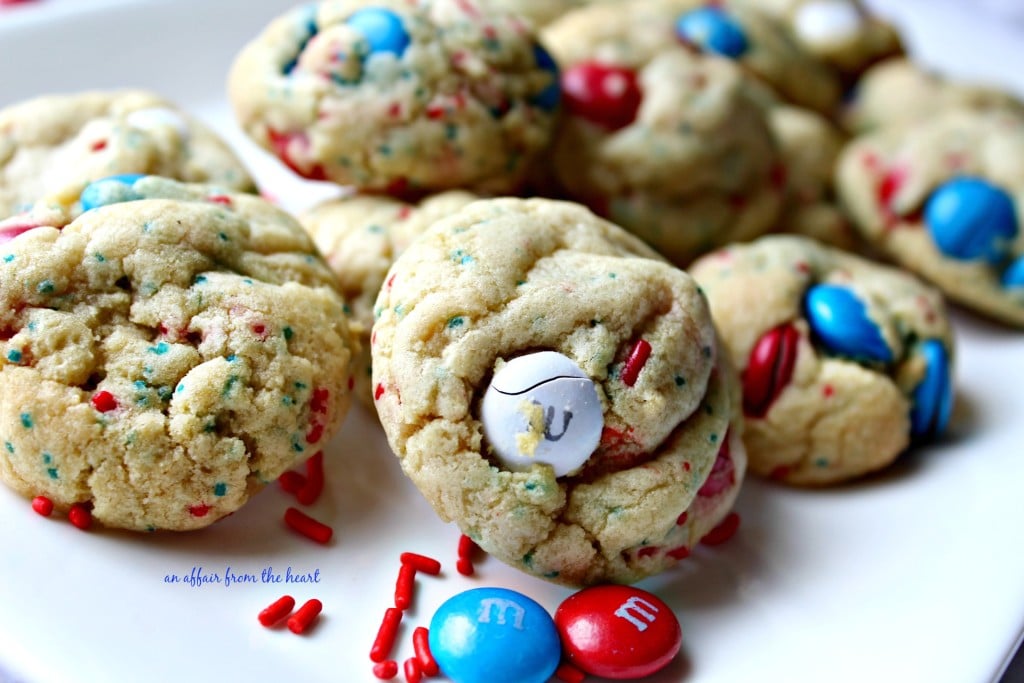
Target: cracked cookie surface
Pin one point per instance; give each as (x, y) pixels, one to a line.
(506, 277)
(166, 357)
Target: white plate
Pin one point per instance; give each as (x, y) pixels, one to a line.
(914, 576)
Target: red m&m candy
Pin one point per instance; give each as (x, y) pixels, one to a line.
(618, 632)
(602, 93)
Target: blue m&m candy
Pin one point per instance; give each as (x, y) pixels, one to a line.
(1013, 276)
(382, 28)
(550, 96)
(494, 635)
(840, 322)
(110, 190)
(933, 397)
(713, 30)
(971, 219)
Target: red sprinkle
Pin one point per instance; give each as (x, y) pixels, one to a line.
(199, 510)
(80, 516)
(220, 199)
(680, 553)
(725, 530)
(318, 404)
(465, 563)
(421, 563)
(385, 639)
(385, 670)
(413, 674)
(314, 485)
(291, 481)
(378, 392)
(301, 620)
(405, 586)
(277, 611)
(42, 505)
(635, 361)
(99, 145)
(307, 526)
(315, 433)
(421, 645)
(103, 401)
(569, 674)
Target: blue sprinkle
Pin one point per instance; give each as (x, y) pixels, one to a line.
(200, 279)
(45, 287)
(139, 384)
(231, 358)
(14, 356)
(288, 333)
(455, 322)
(47, 458)
(382, 28)
(9, 446)
(220, 489)
(111, 190)
(159, 349)
(180, 388)
(8, 258)
(52, 471)
(26, 420)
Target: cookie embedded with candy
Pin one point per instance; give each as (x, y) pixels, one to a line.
(165, 354)
(845, 363)
(557, 389)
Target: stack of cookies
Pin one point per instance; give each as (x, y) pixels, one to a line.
(503, 280)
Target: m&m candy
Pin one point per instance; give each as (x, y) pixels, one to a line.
(382, 28)
(110, 190)
(618, 632)
(769, 369)
(933, 396)
(1013, 276)
(841, 324)
(542, 408)
(603, 94)
(494, 635)
(971, 219)
(713, 30)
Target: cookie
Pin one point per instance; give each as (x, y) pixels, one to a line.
(52, 147)
(632, 32)
(898, 92)
(407, 98)
(844, 34)
(555, 388)
(166, 353)
(844, 362)
(673, 146)
(944, 199)
(538, 12)
(809, 146)
(360, 236)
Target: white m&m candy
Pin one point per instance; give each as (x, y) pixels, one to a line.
(826, 22)
(542, 408)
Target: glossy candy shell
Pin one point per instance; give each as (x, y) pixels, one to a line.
(933, 397)
(971, 219)
(840, 322)
(618, 632)
(713, 30)
(494, 635)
